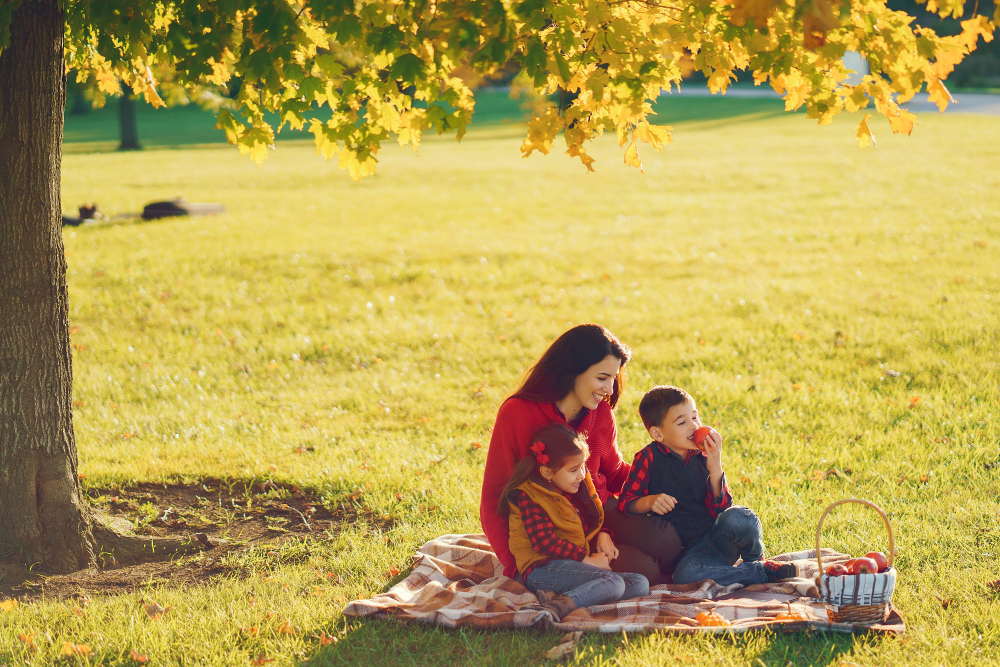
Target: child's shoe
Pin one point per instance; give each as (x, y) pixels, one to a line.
(776, 571)
(556, 603)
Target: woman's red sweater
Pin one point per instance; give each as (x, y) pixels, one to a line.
(518, 420)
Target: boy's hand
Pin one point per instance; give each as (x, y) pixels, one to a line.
(661, 503)
(606, 546)
(713, 447)
(598, 560)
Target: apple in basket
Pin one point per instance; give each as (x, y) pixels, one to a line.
(862, 565)
(880, 560)
(837, 570)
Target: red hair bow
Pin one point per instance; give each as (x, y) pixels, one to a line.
(538, 448)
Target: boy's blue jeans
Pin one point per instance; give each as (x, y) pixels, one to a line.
(585, 584)
(736, 534)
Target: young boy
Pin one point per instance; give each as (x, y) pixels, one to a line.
(687, 487)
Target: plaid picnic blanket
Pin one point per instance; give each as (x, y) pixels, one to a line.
(457, 582)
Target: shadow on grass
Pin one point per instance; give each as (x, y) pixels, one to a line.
(97, 131)
(388, 642)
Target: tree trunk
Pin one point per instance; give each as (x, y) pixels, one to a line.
(127, 122)
(42, 515)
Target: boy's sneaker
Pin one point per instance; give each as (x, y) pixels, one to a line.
(556, 603)
(776, 571)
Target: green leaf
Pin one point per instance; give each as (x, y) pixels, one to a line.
(408, 68)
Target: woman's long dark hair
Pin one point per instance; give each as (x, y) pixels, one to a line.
(554, 374)
(561, 442)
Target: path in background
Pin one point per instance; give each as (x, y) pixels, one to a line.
(980, 103)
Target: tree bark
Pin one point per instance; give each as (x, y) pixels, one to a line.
(42, 514)
(127, 122)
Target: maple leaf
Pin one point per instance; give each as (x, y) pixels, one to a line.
(864, 134)
(758, 10)
(69, 650)
(565, 647)
(901, 121)
(141, 658)
(939, 95)
(8, 605)
(29, 642)
(155, 611)
(632, 156)
(286, 628)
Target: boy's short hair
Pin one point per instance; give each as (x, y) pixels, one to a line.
(655, 405)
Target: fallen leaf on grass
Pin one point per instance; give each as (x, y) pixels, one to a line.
(252, 631)
(914, 401)
(326, 640)
(70, 649)
(891, 373)
(357, 494)
(29, 642)
(286, 628)
(155, 611)
(945, 603)
(565, 647)
(393, 571)
(8, 605)
(995, 585)
(141, 658)
(261, 660)
(477, 445)
(79, 612)
(797, 335)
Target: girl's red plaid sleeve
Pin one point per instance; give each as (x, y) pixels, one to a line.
(637, 484)
(541, 531)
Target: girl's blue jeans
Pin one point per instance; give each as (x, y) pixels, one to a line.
(585, 584)
(736, 534)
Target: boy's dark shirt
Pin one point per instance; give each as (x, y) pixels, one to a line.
(657, 469)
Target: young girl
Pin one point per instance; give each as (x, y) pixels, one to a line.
(555, 518)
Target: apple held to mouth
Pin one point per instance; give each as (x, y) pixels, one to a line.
(701, 435)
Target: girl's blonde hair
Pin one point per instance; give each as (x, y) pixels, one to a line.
(559, 442)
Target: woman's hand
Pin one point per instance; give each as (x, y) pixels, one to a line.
(606, 545)
(598, 560)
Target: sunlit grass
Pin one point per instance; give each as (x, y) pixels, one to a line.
(830, 309)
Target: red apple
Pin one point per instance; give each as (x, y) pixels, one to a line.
(700, 436)
(880, 560)
(837, 570)
(862, 566)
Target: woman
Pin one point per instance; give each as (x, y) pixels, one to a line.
(577, 382)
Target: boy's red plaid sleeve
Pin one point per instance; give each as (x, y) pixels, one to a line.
(637, 484)
(717, 506)
(541, 531)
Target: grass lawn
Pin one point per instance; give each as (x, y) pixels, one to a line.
(830, 309)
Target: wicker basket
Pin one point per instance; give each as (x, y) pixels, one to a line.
(856, 598)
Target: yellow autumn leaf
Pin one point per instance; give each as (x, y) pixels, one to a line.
(901, 121)
(8, 605)
(69, 650)
(286, 628)
(864, 134)
(939, 95)
(632, 156)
